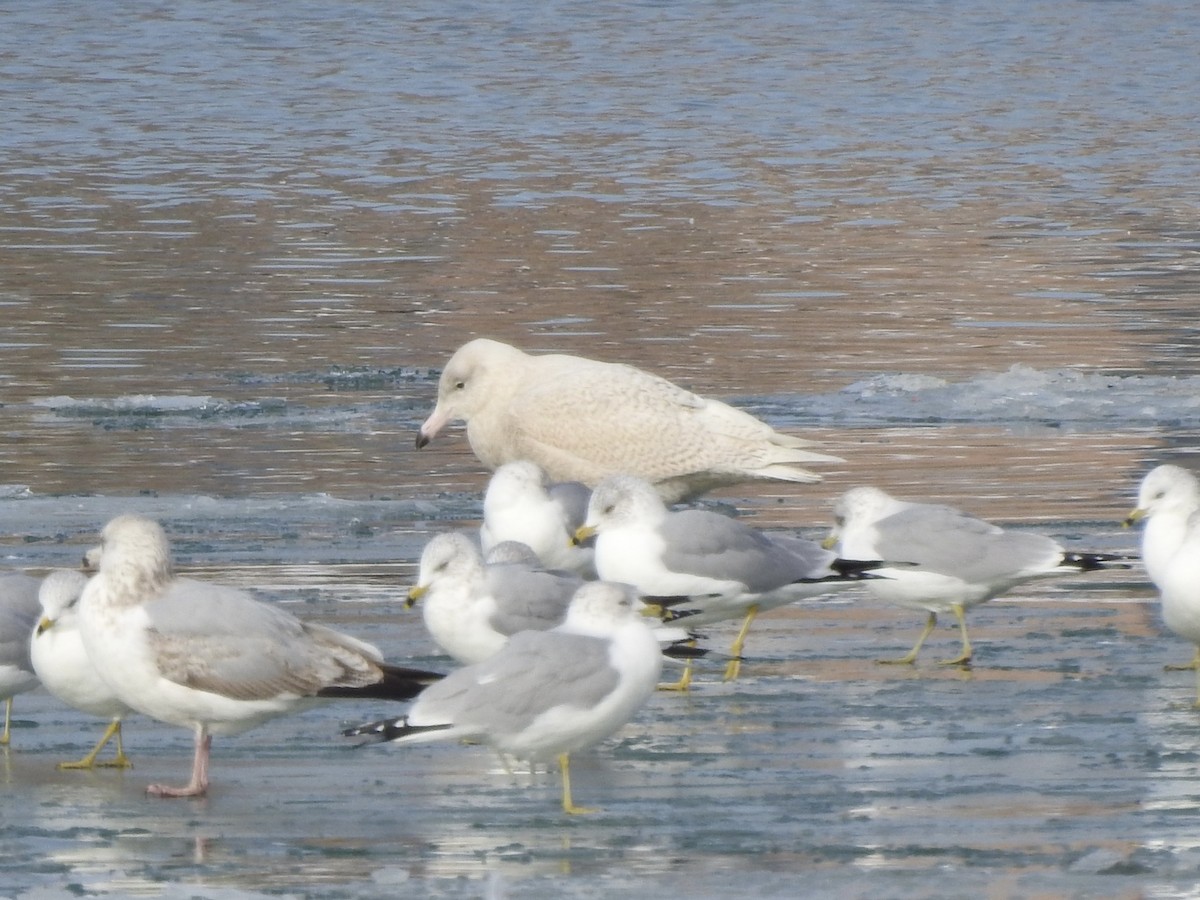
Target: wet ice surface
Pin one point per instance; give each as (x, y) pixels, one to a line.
(1065, 761)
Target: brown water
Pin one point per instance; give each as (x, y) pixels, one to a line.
(957, 244)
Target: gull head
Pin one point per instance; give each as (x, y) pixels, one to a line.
(134, 558)
(1168, 490)
(598, 607)
(621, 500)
(449, 556)
(474, 378)
(58, 594)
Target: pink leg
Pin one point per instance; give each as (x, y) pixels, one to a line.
(198, 786)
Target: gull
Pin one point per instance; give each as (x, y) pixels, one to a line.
(522, 504)
(212, 658)
(581, 419)
(545, 694)
(472, 606)
(954, 561)
(18, 616)
(722, 567)
(65, 669)
(1180, 587)
(1167, 498)
(471, 609)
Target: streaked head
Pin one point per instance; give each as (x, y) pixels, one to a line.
(621, 500)
(447, 556)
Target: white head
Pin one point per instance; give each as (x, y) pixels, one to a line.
(624, 500)
(135, 555)
(516, 481)
(599, 607)
(58, 593)
(1167, 490)
(861, 506)
(474, 376)
(450, 555)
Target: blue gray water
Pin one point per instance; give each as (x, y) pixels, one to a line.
(957, 242)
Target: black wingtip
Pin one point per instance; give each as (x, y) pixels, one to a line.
(857, 568)
(685, 650)
(385, 730)
(1091, 562)
(397, 683)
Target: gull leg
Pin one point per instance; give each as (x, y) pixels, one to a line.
(963, 658)
(911, 656)
(198, 786)
(89, 761)
(120, 761)
(7, 719)
(1183, 667)
(569, 807)
(685, 680)
(734, 667)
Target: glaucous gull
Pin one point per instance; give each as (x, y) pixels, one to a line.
(581, 420)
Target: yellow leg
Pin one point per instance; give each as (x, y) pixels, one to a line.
(684, 682)
(7, 719)
(569, 807)
(734, 668)
(911, 656)
(120, 761)
(965, 657)
(1183, 667)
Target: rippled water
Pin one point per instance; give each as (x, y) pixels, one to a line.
(955, 241)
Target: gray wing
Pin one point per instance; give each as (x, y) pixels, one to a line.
(529, 599)
(942, 539)
(220, 639)
(572, 498)
(19, 611)
(709, 544)
(535, 672)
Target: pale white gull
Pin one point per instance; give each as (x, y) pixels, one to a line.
(546, 694)
(211, 658)
(522, 504)
(717, 567)
(954, 561)
(18, 616)
(65, 669)
(582, 419)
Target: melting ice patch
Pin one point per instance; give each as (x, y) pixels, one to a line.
(1020, 394)
(152, 406)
